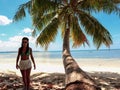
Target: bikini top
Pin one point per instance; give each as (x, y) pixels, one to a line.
(24, 53)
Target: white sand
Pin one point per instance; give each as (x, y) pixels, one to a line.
(103, 65)
(89, 65)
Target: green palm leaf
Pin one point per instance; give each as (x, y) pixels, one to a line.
(21, 11)
(107, 6)
(44, 6)
(40, 23)
(78, 36)
(95, 29)
(48, 34)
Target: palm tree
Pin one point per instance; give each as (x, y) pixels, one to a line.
(73, 18)
(116, 1)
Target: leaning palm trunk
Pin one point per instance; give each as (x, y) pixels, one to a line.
(76, 78)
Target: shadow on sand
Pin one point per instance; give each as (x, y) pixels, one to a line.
(55, 81)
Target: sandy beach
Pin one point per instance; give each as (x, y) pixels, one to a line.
(45, 65)
(51, 74)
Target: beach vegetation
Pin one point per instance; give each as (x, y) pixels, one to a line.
(73, 18)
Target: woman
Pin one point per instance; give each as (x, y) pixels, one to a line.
(25, 64)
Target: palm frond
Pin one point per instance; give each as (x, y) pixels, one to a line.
(63, 18)
(102, 38)
(95, 29)
(77, 34)
(63, 24)
(63, 28)
(21, 11)
(48, 34)
(116, 1)
(107, 6)
(44, 6)
(41, 22)
(34, 32)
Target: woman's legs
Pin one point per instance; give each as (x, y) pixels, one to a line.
(23, 72)
(28, 78)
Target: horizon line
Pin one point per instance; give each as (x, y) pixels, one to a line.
(59, 50)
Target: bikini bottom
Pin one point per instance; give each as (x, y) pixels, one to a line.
(25, 64)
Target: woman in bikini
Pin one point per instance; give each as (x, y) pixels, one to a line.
(25, 64)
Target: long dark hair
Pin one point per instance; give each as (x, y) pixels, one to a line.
(27, 48)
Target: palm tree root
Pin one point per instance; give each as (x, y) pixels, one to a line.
(81, 86)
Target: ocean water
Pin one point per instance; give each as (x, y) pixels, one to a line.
(106, 54)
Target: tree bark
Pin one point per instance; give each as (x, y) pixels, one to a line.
(76, 78)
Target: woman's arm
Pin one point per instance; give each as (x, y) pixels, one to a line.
(18, 56)
(32, 58)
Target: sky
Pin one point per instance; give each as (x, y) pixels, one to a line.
(11, 32)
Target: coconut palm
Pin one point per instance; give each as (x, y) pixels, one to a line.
(74, 20)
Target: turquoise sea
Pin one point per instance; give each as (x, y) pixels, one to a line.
(107, 54)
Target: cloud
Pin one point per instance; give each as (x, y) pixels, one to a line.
(3, 34)
(10, 45)
(15, 38)
(27, 30)
(14, 43)
(4, 20)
